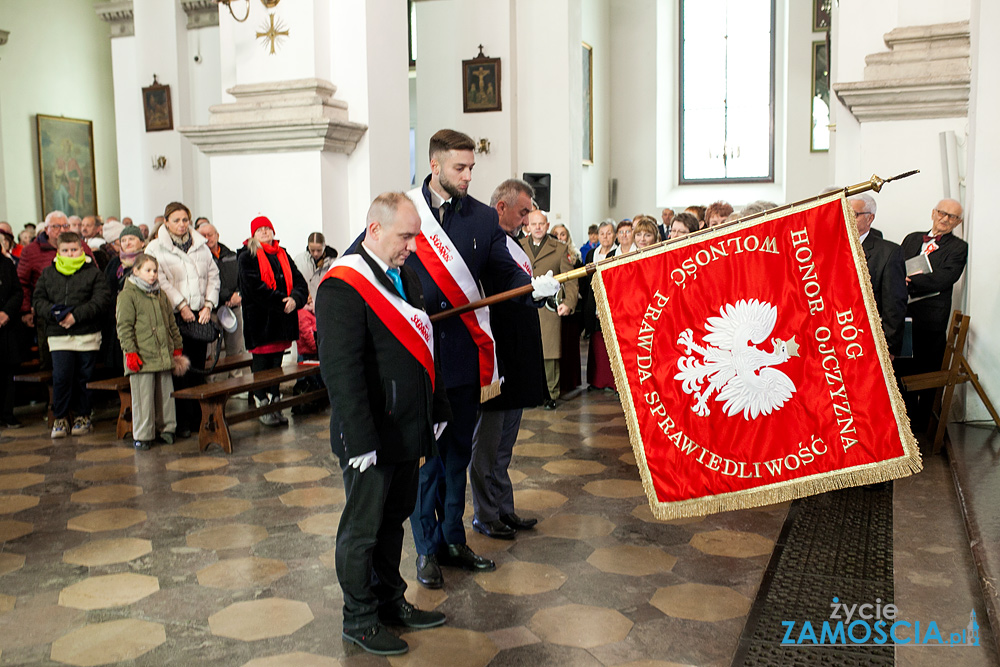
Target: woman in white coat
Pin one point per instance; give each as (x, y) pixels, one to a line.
(190, 279)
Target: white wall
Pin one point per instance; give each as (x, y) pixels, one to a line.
(205, 89)
(36, 78)
(596, 31)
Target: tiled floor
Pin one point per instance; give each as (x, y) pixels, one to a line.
(171, 557)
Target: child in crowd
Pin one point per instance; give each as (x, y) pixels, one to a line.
(152, 344)
(71, 297)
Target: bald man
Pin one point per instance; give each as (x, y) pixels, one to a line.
(930, 295)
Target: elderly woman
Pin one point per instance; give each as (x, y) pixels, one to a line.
(683, 224)
(644, 231)
(273, 289)
(599, 374)
(190, 279)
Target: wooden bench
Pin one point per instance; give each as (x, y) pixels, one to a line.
(124, 389)
(214, 395)
(39, 377)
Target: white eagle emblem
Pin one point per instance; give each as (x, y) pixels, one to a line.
(743, 375)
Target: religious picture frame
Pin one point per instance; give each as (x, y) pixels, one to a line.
(481, 84)
(66, 168)
(588, 104)
(821, 15)
(157, 108)
(819, 137)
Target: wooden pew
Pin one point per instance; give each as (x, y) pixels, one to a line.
(39, 377)
(121, 385)
(214, 395)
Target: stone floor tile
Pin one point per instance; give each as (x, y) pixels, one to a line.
(22, 461)
(615, 488)
(215, 508)
(204, 484)
(446, 646)
(644, 513)
(516, 476)
(98, 553)
(519, 578)
(574, 467)
(700, 602)
(317, 496)
(20, 480)
(260, 619)
(197, 464)
(16, 503)
(637, 561)
(538, 449)
(485, 545)
(297, 659)
(537, 499)
(25, 445)
(239, 573)
(296, 474)
(105, 473)
(10, 562)
(321, 524)
(36, 625)
(112, 590)
(513, 637)
(105, 454)
(109, 642)
(229, 536)
(604, 441)
(576, 526)
(6, 603)
(628, 457)
(424, 598)
(11, 530)
(111, 519)
(581, 626)
(732, 543)
(110, 493)
(282, 456)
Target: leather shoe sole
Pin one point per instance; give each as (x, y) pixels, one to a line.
(498, 530)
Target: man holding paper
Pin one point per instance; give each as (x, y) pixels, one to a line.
(460, 243)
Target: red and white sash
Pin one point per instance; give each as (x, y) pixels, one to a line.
(411, 326)
(452, 276)
(517, 252)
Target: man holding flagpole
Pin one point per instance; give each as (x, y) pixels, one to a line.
(460, 242)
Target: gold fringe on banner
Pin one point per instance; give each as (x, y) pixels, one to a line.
(869, 473)
(489, 391)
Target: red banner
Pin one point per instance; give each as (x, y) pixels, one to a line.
(752, 365)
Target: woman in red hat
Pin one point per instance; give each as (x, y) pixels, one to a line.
(272, 289)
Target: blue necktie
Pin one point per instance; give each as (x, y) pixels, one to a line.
(396, 281)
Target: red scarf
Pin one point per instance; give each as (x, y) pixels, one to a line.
(267, 274)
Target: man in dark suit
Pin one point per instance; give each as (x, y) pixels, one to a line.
(519, 351)
(887, 271)
(930, 295)
(472, 229)
(387, 407)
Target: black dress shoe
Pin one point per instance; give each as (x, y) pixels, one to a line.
(377, 640)
(183, 432)
(404, 613)
(498, 530)
(520, 523)
(428, 572)
(549, 405)
(460, 555)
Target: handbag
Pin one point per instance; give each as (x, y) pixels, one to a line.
(203, 333)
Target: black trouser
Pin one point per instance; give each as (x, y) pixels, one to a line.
(370, 538)
(188, 411)
(71, 371)
(928, 352)
(7, 393)
(262, 362)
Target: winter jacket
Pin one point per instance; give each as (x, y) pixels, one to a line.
(186, 277)
(10, 303)
(86, 290)
(229, 274)
(35, 258)
(146, 325)
(313, 273)
(264, 318)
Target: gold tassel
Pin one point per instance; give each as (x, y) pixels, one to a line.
(489, 391)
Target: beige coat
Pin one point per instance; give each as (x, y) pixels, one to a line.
(552, 256)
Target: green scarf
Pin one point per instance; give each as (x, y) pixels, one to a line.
(69, 265)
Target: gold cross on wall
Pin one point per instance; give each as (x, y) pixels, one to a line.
(273, 32)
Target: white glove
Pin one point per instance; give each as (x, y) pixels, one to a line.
(439, 429)
(544, 286)
(363, 462)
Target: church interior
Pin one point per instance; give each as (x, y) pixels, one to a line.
(306, 110)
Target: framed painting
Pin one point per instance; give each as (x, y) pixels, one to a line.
(821, 15)
(588, 104)
(66, 172)
(481, 84)
(819, 140)
(156, 107)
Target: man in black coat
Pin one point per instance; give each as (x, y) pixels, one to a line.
(930, 297)
(519, 351)
(887, 271)
(387, 408)
(229, 289)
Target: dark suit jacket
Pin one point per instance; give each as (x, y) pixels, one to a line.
(888, 274)
(948, 263)
(475, 231)
(380, 396)
(519, 353)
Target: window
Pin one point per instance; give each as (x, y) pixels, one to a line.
(727, 91)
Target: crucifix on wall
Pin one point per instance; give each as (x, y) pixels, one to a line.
(481, 84)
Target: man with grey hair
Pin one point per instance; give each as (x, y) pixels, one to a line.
(886, 269)
(519, 353)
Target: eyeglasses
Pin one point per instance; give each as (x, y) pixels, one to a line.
(950, 216)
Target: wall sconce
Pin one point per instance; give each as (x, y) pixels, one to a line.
(159, 162)
(268, 4)
(483, 148)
